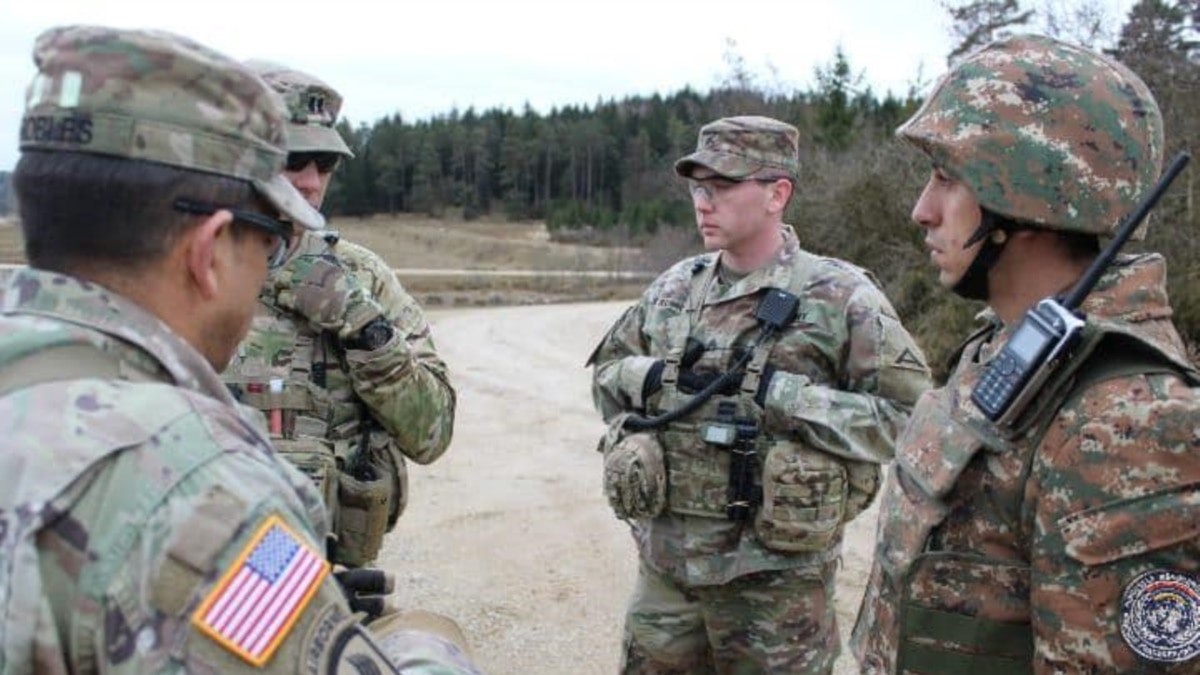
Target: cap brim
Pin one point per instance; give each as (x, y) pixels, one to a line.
(291, 204)
(316, 138)
(724, 164)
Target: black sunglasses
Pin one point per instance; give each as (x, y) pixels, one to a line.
(281, 230)
(325, 161)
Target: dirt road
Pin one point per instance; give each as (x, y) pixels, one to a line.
(509, 533)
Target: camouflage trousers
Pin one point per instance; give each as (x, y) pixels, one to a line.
(768, 622)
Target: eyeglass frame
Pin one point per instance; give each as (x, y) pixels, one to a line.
(695, 185)
(326, 161)
(279, 228)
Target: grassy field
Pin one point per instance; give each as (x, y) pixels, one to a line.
(420, 246)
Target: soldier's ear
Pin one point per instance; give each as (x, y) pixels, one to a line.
(207, 251)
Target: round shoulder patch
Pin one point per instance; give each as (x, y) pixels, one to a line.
(1160, 616)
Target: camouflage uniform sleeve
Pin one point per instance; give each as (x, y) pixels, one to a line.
(620, 363)
(236, 582)
(404, 383)
(882, 374)
(1114, 500)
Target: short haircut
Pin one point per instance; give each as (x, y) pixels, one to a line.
(84, 211)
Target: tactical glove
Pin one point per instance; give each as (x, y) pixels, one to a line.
(692, 352)
(318, 288)
(366, 589)
(692, 382)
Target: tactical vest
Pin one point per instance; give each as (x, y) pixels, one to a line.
(937, 633)
(324, 431)
(806, 495)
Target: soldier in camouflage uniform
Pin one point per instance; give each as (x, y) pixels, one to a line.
(741, 580)
(145, 523)
(358, 386)
(1069, 540)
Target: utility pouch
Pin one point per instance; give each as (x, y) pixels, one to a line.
(804, 499)
(635, 474)
(864, 479)
(365, 495)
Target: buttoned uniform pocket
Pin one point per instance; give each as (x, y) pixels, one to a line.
(804, 499)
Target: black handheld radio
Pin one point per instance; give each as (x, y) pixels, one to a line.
(1049, 331)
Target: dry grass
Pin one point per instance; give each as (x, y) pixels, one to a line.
(421, 243)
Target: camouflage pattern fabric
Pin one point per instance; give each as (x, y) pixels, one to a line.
(1012, 111)
(669, 630)
(404, 384)
(1016, 555)
(113, 92)
(741, 147)
(313, 105)
(847, 374)
(129, 497)
(317, 287)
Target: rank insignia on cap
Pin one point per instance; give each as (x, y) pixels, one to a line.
(258, 599)
(1160, 616)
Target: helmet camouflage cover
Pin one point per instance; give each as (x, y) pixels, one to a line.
(1044, 132)
(313, 107)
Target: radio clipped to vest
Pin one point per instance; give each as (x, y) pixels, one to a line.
(1051, 329)
(737, 436)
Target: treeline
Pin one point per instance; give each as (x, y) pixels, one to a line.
(605, 168)
(7, 205)
(597, 165)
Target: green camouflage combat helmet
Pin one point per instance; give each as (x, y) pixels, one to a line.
(1044, 132)
(312, 104)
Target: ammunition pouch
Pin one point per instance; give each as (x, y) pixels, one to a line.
(635, 476)
(371, 493)
(805, 499)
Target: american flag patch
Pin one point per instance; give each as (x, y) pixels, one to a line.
(253, 606)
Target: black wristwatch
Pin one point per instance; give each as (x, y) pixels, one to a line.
(374, 335)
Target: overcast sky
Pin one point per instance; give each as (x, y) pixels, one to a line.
(425, 57)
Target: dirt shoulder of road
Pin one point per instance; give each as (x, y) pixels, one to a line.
(509, 532)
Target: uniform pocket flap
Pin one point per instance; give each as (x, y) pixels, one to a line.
(1133, 526)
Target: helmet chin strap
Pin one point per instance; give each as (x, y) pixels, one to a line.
(973, 284)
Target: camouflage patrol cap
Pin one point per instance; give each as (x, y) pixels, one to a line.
(313, 107)
(739, 147)
(1045, 132)
(159, 97)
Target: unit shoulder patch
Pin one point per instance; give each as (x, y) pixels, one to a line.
(1160, 616)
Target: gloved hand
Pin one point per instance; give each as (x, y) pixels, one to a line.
(692, 352)
(692, 382)
(366, 589)
(317, 287)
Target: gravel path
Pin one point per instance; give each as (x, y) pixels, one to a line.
(509, 533)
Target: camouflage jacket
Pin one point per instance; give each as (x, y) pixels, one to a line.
(403, 384)
(136, 489)
(846, 375)
(1024, 552)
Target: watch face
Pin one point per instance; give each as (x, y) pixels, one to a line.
(376, 334)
